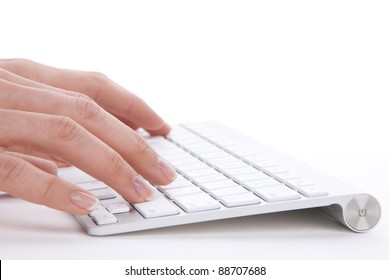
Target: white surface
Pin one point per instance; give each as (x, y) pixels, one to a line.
(307, 78)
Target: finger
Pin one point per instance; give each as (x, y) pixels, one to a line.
(130, 145)
(105, 92)
(64, 137)
(21, 179)
(13, 78)
(45, 165)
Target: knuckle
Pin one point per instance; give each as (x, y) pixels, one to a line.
(116, 163)
(64, 128)
(88, 109)
(99, 82)
(141, 145)
(12, 170)
(98, 77)
(48, 191)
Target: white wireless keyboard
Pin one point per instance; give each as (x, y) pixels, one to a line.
(224, 174)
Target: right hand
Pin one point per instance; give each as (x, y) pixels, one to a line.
(83, 118)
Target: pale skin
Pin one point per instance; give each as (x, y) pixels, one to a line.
(50, 115)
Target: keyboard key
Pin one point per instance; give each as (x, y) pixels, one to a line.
(118, 207)
(297, 183)
(104, 218)
(312, 191)
(76, 176)
(263, 164)
(219, 193)
(99, 209)
(202, 172)
(232, 165)
(210, 178)
(173, 193)
(176, 185)
(159, 207)
(262, 184)
(240, 200)
(226, 183)
(275, 169)
(285, 177)
(251, 177)
(241, 171)
(226, 159)
(197, 203)
(277, 193)
(103, 193)
(93, 185)
(214, 155)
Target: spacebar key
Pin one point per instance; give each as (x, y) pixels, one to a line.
(158, 207)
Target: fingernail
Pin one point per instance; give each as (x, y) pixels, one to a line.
(84, 200)
(166, 169)
(143, 188)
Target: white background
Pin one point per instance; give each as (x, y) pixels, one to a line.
(307, 77)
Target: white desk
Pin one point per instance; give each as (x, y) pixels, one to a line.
(29, 231)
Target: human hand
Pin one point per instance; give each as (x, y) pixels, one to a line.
(82, 118)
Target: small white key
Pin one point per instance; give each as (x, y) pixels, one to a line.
(241, 171)
(219, 193)
(118, 207)
(176, 185)
(76, 176)
(173, 193)
(286, 176)
(200, 172)
(218, 185)
(99, 209)
(159, 207)
(240, 200)
(93, 185)
(297, 183)
(197, 203)
(210, 178)
(251, 177)
(198, 166)
(262, 184)
(312, 191)
(104, 218)
(232, 165)
(226, 159)
(264, 164)
(277, 193)
(275, 170)
(103, 194)
(213, 155)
